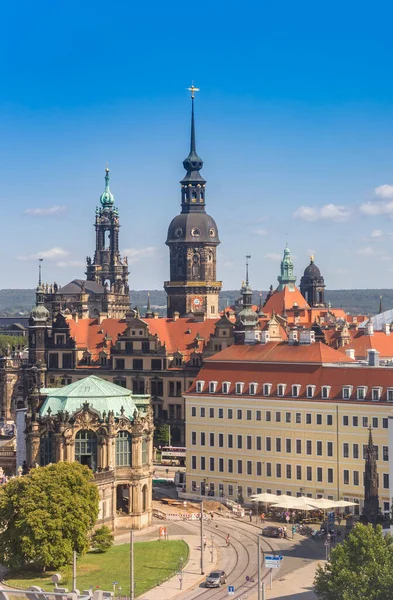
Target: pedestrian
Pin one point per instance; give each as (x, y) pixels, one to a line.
(262, 517)
(204, 542)
(211, 515)
(293, 530)
(284, 530)
(250, 513)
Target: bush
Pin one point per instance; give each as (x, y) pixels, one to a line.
(102, 539)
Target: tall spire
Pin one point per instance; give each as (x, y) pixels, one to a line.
(193, 196)
(371, 500)
(192, 144)
(107, 199)
(286, 277)
(248, 256)
(39, 272)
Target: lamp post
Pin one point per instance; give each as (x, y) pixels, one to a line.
(180, 573)
(202, 545)
(327, 546)
(212, 549)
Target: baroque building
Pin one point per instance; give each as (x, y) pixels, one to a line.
(103, 426)
(192, 238)
(312, 285)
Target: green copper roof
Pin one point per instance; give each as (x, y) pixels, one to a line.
(286, 277)
(102, 396)
(107, 199)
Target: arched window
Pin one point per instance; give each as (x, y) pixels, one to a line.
(47, 449)
(123, 449)
(86, 448)
(144, 498)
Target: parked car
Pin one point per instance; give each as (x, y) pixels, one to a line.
(216, 579)
(271, 531)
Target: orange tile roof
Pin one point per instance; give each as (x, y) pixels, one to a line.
(281, 352)
(89, 334)
(378, 341)
(180, 335)
(286, 298)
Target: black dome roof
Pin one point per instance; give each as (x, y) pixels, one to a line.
(193, 227)
(312, 271)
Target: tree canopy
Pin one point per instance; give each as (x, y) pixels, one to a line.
(46, 515)
(360, 568)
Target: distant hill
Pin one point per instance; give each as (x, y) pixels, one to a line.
(20, 302)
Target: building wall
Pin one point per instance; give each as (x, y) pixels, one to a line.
(327, 469)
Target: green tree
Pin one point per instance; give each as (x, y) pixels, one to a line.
(11, 342)
(102, 539)
(46, 515)
(163, 434)
(361, 568)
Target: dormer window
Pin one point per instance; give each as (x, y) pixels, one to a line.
(346, 392)
(267, 389)
(361, 393)
(295, 390)
(376, 394)
(239, 387)
(389, 394)
(281, 389)
(225, 387)
(325, 392)
(199, 386)
(253, 389)
(310, 391)
(212, 387)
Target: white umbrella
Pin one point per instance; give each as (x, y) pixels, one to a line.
(322, 503)
(344, 503)
(293, 502)
(265, 497)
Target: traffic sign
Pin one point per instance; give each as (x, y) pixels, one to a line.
(273, 562)
(231, 590)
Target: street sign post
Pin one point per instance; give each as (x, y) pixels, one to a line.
(231, 590)
(273, 562)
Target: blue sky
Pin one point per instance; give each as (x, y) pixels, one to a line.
(294, 124)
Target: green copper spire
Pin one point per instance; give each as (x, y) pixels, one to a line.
(286, 277)
(107, 199)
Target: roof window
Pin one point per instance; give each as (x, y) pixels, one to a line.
(252, 389)
(239, 387)
(267, 389)
(281, 389)
(199, 386)
(295, 390)
(346, 392)
(376, 394)
(361, 392)
(325, 391)
(225, 387)
(310, 391)
(212, 387)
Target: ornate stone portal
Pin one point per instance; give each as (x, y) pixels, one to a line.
(105, 427)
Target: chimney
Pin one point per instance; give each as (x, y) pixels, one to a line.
(265, 337)
(293, 337)
(373, 358)
(369, 328)
(175, 315)
(155, 315)
(386, 328)
(350, 352)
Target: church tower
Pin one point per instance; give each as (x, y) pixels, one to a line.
(286, 277)
(193, 240)
(108, 268)
(312, 285)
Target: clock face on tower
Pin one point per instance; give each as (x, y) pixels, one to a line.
(196, 302)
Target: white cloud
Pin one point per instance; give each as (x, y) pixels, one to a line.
(366, 251)
(45, 212)
(48, 254)
(70, 263)
(372, 251)
(136, 254)
(385, 191)
(376, 233)
(261, 232)
(377, 208)
(328, 212)
(273, 256)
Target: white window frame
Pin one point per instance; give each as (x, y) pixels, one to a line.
(212, 387)
(296, 390)
(379, 393)
(361, 390)
(308, 389)
(284, 387)
(389, 390)
(239, 386)
(325, 389)
(225, 387)
(344, 389)
(252, 388)
(199, 386)
(267, 388)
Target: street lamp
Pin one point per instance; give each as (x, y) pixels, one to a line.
(180, 573)
(212, 549)
(327, 546)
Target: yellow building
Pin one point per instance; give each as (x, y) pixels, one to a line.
(287, 418)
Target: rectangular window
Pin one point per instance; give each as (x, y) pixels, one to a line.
(355, 421)
(309, 473)
(356, 478)
(240, 467)
(268, 416)
(346, 476)
(221, 465)
(119, 363)
(220, 440)
(211, 413)
(249, 467)
(365, 421)
(240, 442)
(325, 392)
(220, 413)
(308, 447)
(156, 364)
(319, 474)
(345, 420)
(193, 462)
(330, 475)
(202, 411)
(287, 417)
(278, 470)
(288, 469)
(211, 437)
(67, 361)
(385, 423)
(259, 468)
(288, 445)
(346, 393)
(211, 465)
(319, 448)
(308, 419)
(203, 463)
(230, 413)
(230, 490)
(329, 419)
(330, 448)
(298, 472)
(298, 417)
(230, 465)
(230, 440)
(319, 419)
(268, 469)
(386, 481)
(239, 414)
(375, 394)
(278, 444)
(385, 453)
(375, 422)
(203, 438)
(268, 444)
(278, 417)
(298, 446)
(345, 450)
(193, 438)
(259, 442)
(355, 450)
(193, 411)
(249, 415)
(390, 395)
(137, 364)
(258, 415)
(249, 442)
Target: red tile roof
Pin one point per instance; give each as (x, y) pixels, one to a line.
(379, 341)
(89, 334)
(180, 335)
(286, 298)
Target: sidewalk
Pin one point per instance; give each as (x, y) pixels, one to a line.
(296, 585)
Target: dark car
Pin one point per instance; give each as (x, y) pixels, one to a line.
(271, 531)
(216, 579)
